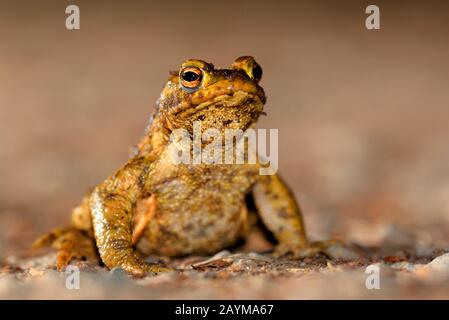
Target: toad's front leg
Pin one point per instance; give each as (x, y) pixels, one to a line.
(112, 206)
(281, 215)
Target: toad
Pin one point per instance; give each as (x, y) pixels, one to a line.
(152, 205)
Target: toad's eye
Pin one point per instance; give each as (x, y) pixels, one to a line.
(257, 72)
(190, 78)
(248, 65)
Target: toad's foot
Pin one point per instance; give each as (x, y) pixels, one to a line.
(74, 244)
(137, 267)
(333, 249)
(71, 244)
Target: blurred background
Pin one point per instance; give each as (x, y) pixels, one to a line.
(363, 115)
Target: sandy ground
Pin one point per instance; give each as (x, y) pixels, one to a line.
(236, 276)
(362, 118)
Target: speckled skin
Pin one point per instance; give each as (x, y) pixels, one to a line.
(182, 209)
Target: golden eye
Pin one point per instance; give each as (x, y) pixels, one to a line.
(190, 78)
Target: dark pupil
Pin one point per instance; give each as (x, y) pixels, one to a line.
(257, 72)
(190, 76)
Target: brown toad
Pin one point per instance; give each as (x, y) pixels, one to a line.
(153, 205)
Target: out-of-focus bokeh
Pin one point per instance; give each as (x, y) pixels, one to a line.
(363, 115)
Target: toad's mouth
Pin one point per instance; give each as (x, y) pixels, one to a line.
(236, 99)
(237, 111)
(227, 88)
